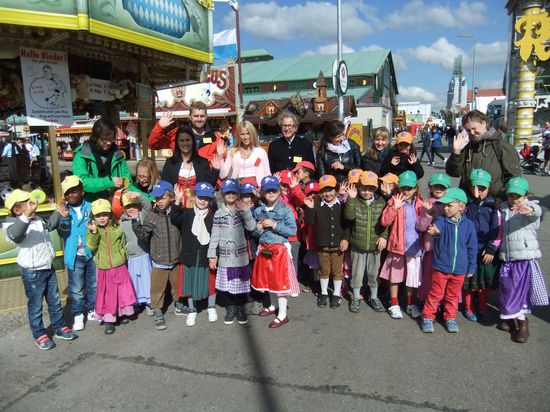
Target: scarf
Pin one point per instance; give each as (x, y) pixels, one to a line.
(484, 136)
(199, 228)
(103, 159)
(341, 149)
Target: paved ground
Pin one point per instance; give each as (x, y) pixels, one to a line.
(322, 360)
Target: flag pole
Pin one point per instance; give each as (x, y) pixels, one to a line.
(241, 102)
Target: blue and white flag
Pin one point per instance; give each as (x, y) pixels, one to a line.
(225, 44)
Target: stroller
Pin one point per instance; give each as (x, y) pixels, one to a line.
(530, 161)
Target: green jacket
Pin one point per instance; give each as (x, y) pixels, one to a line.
(366, 227)
(85, 167)
(108, 246)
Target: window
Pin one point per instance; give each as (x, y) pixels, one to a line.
(296, 85)
(251, 89)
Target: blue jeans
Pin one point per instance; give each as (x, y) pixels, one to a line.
(40, 283)
(83, 277)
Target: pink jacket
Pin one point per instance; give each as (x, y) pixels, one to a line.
(231, 165)
(395, 220)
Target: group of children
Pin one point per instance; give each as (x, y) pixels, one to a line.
(254, 243)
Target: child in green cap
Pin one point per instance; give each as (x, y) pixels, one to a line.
(521, 281)
(481, 210)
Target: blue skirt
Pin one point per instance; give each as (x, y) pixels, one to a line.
(140, 272)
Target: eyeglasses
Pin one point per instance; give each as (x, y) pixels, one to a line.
(105, 140)
(288, 126)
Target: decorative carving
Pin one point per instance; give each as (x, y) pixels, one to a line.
(535, 28)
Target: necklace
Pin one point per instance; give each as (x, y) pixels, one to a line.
(245, 153)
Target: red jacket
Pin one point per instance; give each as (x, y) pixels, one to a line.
(395, 220)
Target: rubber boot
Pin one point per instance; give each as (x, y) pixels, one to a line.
(522, 333)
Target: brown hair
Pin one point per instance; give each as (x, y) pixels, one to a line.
(102, 127)
(152, 168)
(474, 116)
(197, 105)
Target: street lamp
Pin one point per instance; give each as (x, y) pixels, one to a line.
(473, 37)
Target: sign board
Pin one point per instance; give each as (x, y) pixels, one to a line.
(335, 76)
(343, 77)
(355, 133)
(99, 90)
(46, 85)
(144, 101)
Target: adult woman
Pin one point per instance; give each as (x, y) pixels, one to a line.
(373, 157)
(147, 176)
(437, 144)
(246, 158)
(337, 155)
(100, 164)
(402, 157)
(185, 168)
(426, 140)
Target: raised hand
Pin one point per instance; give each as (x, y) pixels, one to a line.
(91, 226)
(62, 209)
(31, 208)
(398, 201)
(133, 213)
(166, 119)
(395, 160)
(220, 147)
(523, 209)
(217, 160)
(240, 205)
(178, 194)
(412, 158)
(308, 201)
(294, 181)
(337, 166)
(460, 141)
(385, 188)
(352, 191)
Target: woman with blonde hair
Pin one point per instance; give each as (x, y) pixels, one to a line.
(147, 176)
(246, 158)
(375, 155)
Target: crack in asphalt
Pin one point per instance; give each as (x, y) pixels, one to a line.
(341, 390)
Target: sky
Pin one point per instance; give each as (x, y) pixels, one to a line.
(423, 36)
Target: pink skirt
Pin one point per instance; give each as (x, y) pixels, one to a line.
(400, 268)
(115, 294)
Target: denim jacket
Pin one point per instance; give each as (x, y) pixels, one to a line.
(71, 228)
(286, 224)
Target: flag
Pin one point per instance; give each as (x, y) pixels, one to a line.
(225, 44)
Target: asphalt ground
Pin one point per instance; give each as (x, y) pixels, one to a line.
(322, 360)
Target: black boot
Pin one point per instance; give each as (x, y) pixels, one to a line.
(229, 317)
(241, 315)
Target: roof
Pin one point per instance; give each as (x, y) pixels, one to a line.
(486, 93)
(255, 53)
(307, 67)
(356, 92)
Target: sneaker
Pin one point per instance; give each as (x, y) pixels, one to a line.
(241, 316)
(354, 305)
(160, 323)
(181, 309)
(322, 301)
(451, 326)
(413, 311)
(91, 315)
(395, 312)
(191, 318)
(65, 333)
(376, 304)
(78, 322)
(44, 343)
(124, 321)
(335, 302)
(427, 325)
(149, 310)
(212, 315)
(109, 329)
(229, 317)
(468, 314)
(253, 308)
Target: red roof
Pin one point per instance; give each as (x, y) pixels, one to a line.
(486, 93)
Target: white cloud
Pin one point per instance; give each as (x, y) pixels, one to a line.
(371, 47)
(308, 20)
(327, 49)
(488, 54)
(399, 61)
(418, 94)
(490, 84)
(420, 15)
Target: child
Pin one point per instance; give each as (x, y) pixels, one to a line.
(388, 186)
(454, 256)
(137, 206)
(332, 238)
(311, 258)
(196, 226)
(274, 270)
(438, 185)
(403, 263)
(481, 210)
(228, 241)
(78, 257)
(165, 246)
(304, 172)
(115, 292)
(521, 280)
(35, 255)
(367, 238)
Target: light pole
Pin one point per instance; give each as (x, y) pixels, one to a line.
(339, 56)
(473, 37)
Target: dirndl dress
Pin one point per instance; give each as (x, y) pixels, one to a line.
(140, 272)
(275, 274)
(234, 280)
(486, 277)
(115, 294)
(187, 185)
(400, 268)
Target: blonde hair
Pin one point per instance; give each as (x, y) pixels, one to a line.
(245, 124)
(152, 168)
(371, 152)
(197, 105)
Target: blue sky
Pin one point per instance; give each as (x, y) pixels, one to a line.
(422, 35)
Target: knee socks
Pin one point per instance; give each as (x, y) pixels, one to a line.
(212, 301)
(274, 301)
(337, 287)
(282, 307)
(190, 303)
(324, 286)
(468, 295)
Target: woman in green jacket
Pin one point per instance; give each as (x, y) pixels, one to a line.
(100, 164)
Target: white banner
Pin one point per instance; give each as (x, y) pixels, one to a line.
(47, 86)
(99, 90)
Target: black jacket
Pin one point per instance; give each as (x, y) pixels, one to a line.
(330, 225)
(351, 160)
(284, 156)
(403, 166)
(170, 171)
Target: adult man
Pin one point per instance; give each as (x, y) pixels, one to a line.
(163, 135)
(449, 132)
(287, 151)
(477, 147)
(546, 145)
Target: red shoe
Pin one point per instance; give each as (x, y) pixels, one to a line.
(266, 312)
(277, 323)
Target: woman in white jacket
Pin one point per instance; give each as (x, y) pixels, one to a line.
(246, 158)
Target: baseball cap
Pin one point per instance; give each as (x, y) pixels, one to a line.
(327, 181)
(161, 188)
(480, 177)
(270, 183)
(230, 185)
(286, 177)
(304, 163)
(101, 206)
(517, 185)
(353, 175)
(128, 199)
(453, 194)
(248, 186)
(440, 179)
(404, 137)
(311, 187)
(407, 178)
(69, 182)
(17, 195)
(204, 189)
(368, 179)
(390, 178)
